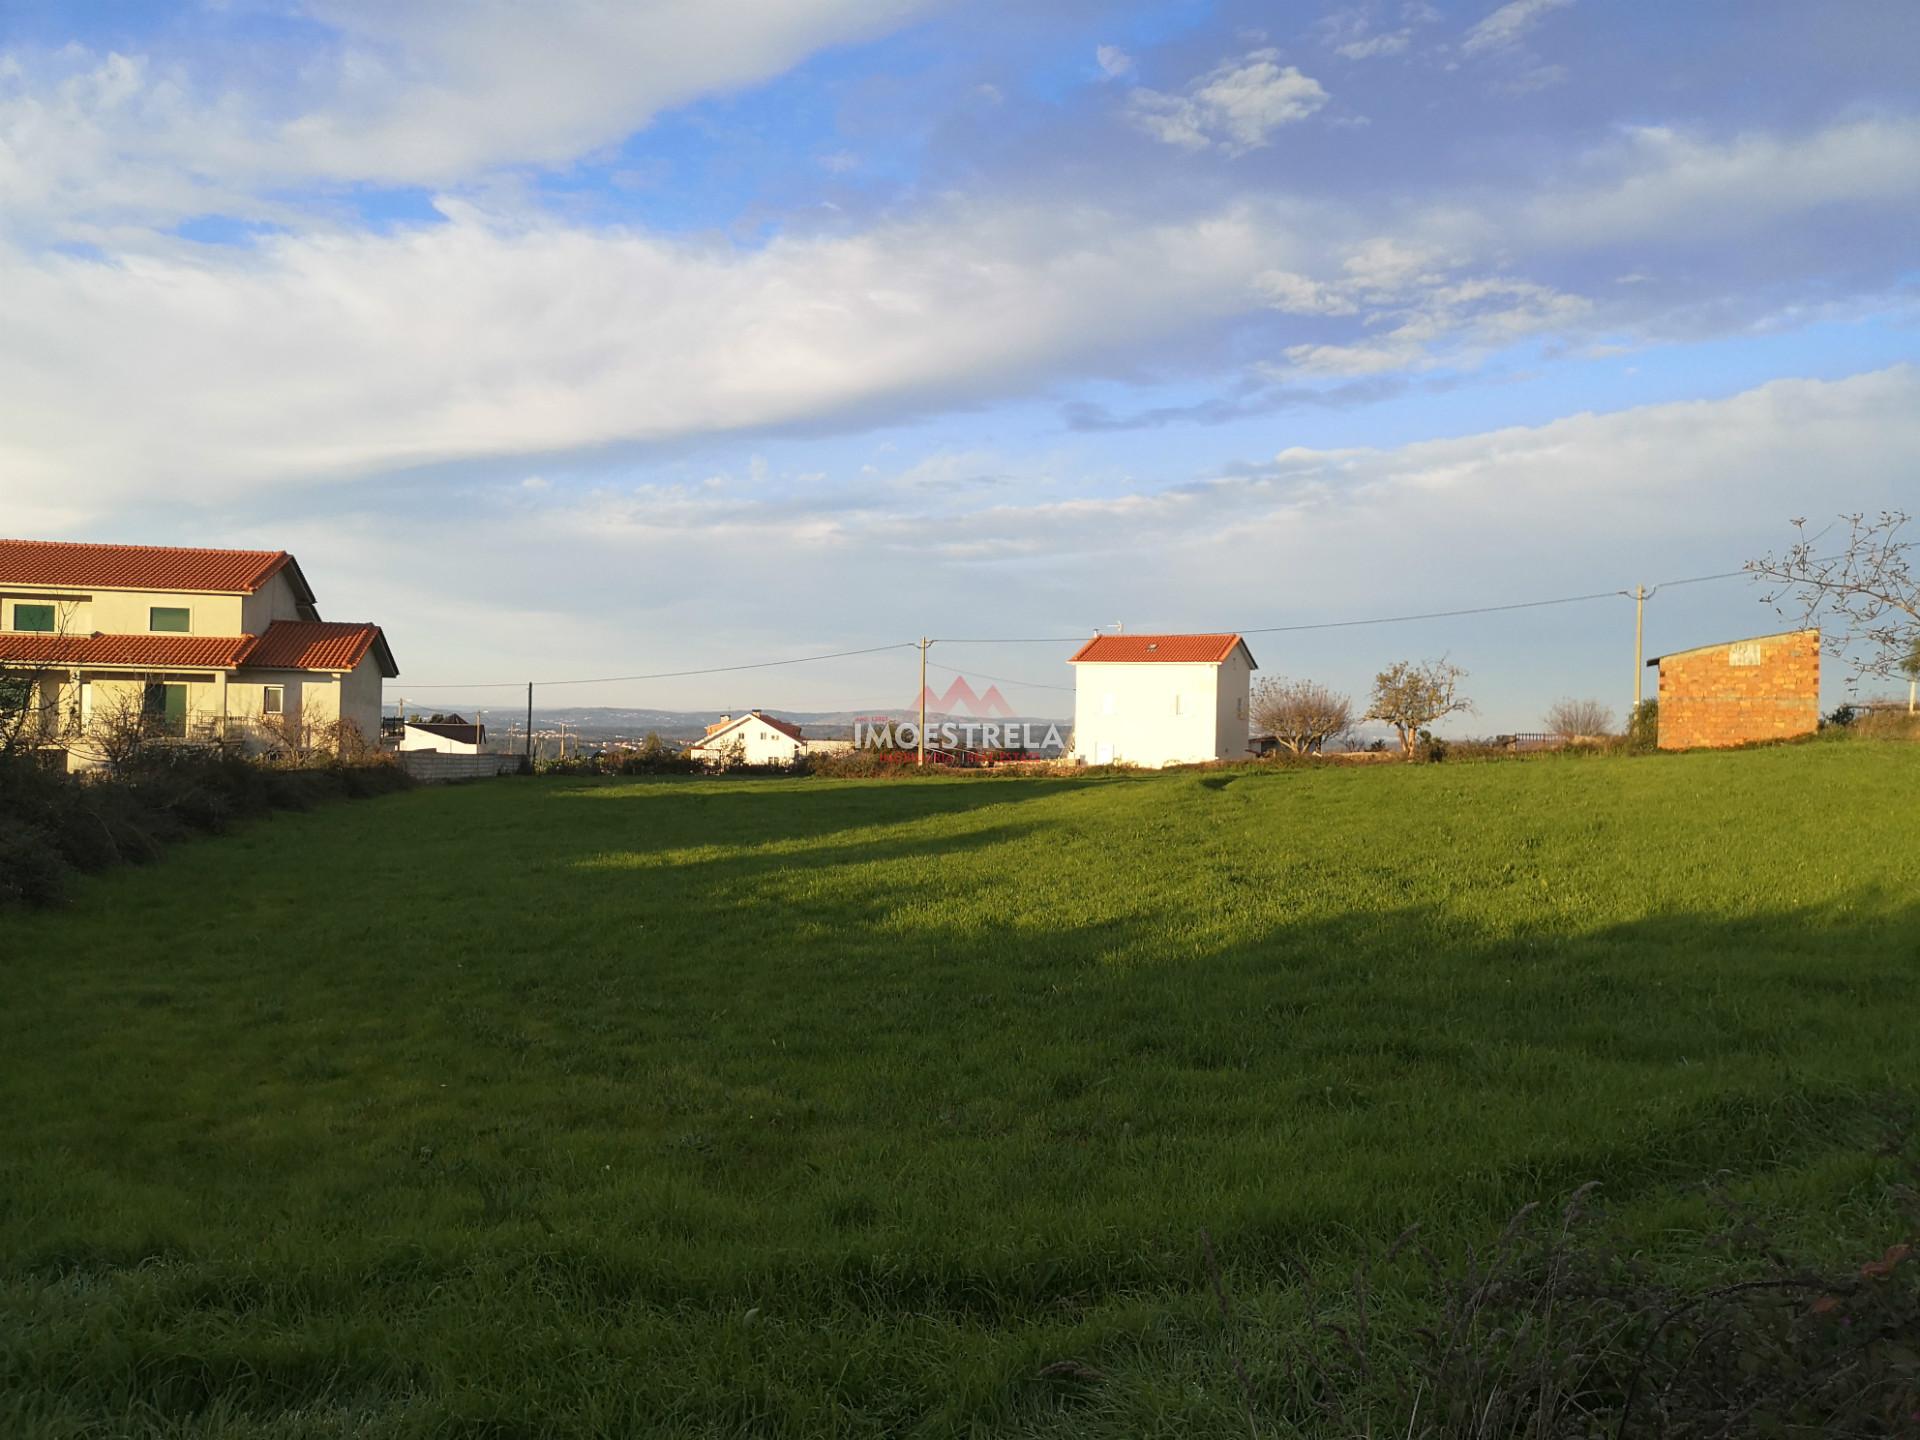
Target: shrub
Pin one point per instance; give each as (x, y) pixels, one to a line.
(32, 871)
(52, 823)
(1562, 1327)
(1579, 719)
(1883, 724)
(1643, 727)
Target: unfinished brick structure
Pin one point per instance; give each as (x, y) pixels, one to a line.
(1766, 688)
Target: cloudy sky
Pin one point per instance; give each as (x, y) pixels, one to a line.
(580, 340)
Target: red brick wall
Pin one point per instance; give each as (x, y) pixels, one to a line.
(1708, 700)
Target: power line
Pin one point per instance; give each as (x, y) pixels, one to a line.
(1376, 620)
(1000, 679)
(1081, 639)
(672, 674)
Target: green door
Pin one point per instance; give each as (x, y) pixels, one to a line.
(166, 708)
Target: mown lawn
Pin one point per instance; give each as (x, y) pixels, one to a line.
(812, 1107)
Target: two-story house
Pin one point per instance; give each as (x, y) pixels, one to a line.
(1158, 700)
(190, 644)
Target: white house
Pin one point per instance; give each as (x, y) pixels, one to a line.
(761, 740)
(451, 735)
(1161, 699)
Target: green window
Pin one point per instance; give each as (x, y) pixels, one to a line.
(170, 619)
(35, 618)
(15, 697)
(165, 709)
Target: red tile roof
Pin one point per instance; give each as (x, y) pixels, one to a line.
(1169, 649)
(143, 567)
(287, 645)
(159, 652)
(792, 732)
(318, 645)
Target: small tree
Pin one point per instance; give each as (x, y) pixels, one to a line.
(1412, 697)
(1643, 726)
(1865, 584)
(1302, 715)
(1579, 719)
(122, 726)
(17, 710)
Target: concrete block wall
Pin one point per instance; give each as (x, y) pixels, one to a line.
(430, 767)
(1766, 688)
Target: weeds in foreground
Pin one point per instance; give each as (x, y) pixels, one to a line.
(1561, 1329)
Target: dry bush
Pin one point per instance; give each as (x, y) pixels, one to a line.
(1561, 1328)
(1886, 724)
(1304, 716)
(1580, 719)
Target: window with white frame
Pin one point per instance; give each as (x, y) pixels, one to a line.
(273, 699)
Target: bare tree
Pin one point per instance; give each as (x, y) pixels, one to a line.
(18, 710)
(122, 726)
(29, 694)
(1303, 715)
(1579, 719)
(1864, 583)
(1411, 697)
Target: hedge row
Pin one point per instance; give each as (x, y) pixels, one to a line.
(53, 825)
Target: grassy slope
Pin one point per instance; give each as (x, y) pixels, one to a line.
(807, 1107)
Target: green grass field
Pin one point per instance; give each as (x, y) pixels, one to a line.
(808, 1107)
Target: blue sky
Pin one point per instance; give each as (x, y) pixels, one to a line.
(574, 340)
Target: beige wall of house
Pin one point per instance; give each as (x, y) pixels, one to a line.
(273, 601)
(129, 612)
(358, 698)
(75, 705)
(1157, 713)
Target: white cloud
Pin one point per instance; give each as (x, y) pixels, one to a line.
(1657, 181)
(329, 356)
(1391, 42)
(219, 372)
(1294, 294)
(1237, 106)
(1506, 26)
(1113, 61)
(432, 93)
(1689, 486)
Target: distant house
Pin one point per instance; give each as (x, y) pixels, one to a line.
(1161, 699)
(444, 735)
(210, 645)
(1765, 688)
(754, 738)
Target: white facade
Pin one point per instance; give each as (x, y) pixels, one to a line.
(1131, 707)
(422, 737)
(761, 741)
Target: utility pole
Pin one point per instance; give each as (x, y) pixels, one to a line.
(920, 734)
(529, 724)
(1639, 642)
